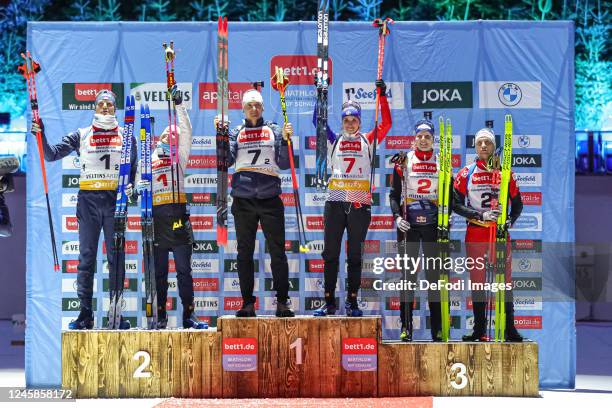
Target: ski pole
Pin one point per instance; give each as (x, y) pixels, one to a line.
(29, 69)
(170, 82)
(383, 31)
(279, 82)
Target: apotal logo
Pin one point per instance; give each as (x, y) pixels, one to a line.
(528, 322)
(205, 284)
(208, 94)
(234, 303)
(399, 142)
(300, 69)
(531, 198)
(288, 199)
(202, 162)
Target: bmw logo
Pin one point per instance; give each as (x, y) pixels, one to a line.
(524, 264)
(510, 94)
(524, 141)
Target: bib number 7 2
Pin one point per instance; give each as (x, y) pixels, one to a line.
(256, 153)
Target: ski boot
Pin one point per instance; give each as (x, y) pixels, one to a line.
(162, 318)
(125, 324)
(406, 333)
(190, 320)
(512, 335)
(283, 309)
(328, 309)
(85, 321)
(480, 323)
(352, 308)
(247, 310)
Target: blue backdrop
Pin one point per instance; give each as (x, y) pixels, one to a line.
(467, 71)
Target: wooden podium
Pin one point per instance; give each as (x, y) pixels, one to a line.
(269, 357)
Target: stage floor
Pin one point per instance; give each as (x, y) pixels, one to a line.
(593, 382)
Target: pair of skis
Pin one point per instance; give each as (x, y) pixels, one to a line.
(322, 83)
(279, 82)
(173, 140)
(146, 214)
(121, 204)
(444, 192)
(29, 69)
(222, 136)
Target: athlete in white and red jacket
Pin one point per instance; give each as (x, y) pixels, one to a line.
(475, 188)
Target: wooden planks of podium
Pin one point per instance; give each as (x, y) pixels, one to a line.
(268, 357)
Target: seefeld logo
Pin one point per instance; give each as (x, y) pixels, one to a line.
(365, 94)
(510, 94)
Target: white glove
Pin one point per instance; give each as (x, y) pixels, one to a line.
(491, 215)
(402, 224)
(129, 190)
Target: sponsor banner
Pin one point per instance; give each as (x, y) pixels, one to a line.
(531, 198)
(70, 223)
(201, 199)
(239, 354)
(270, 303)
(70, 266)
(206, 303)
(315, 199)
(235, 303)
(513, 95)
(233, 285)
(314, 285)
(131, 247)
(202, 222)
(131, 266)
(365, 94)
(313, 303)
(207, 94)
(528, 222)
(399, 142)
(316, 246)
(71, 180)
(129, 285)
(128, 304)
(526, 141)
(70, 248)
(155, 94)
(382, 223)
(522, 264)
(232, 247)
(395, 323)
(71, 162)
(527, 303)
(208, 161)
(441, 95)
(528, 322)
(528, 179)
(526, 245)
(314, 265)
(82, 96)
(527, 284)
(369, 304)
(74, 304)
(299, 69)
(205, 284)
(294, 284)
(294, 265)
(359, 354)
(231, 265)
(203, 143)
(518, 160)
(200, 181)
(201, 265)
(205, 247)
(70, 285)
(133, 223)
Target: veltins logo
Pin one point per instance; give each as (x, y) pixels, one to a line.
(299, 69)
(82, 96)
(365, 94)
(154, 94)
(504, 94)
(207, 94)
(446, 95)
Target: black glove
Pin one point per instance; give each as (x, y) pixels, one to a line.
(36, 127)
(177, 96)
(380, 84)
(507, 225)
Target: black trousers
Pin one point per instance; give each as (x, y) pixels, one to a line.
(417, 236)
(270, 212)
(339, 216)
(96, 212)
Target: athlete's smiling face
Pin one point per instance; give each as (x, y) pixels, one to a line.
(105, 107)
(350, 124)
(253, 111)
(424, 141)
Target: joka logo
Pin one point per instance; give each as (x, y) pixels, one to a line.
(202, 162)
(82, 96)
(155, 94)
(314, 265)
(201, 199)
(399, 142)
(205, 247)
(531, 198)
(208, 94)
(527, 160)
(202, 222)
(299, 69)
(70, 181)
(365, 94)
(235, 303)
(294, 284)
(446, 95)
(205, 284)
(527, 283)
(74, 304)
(70, 266)
(528, 322)
(312, 303)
